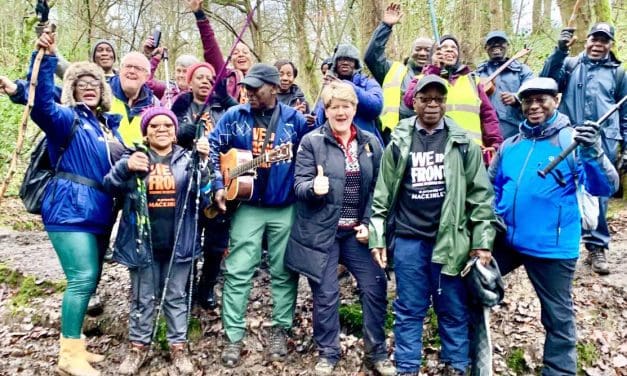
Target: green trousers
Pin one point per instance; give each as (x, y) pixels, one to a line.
(80, 254)
(247, 228)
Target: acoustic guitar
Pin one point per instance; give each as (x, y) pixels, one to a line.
(239, 169)
(488, 84)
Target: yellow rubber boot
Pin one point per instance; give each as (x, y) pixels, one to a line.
(91, 357)
(73, 359)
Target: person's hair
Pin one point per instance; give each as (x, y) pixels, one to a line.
(140, 56)
(340, 91)
(186, 61)
(282, 62)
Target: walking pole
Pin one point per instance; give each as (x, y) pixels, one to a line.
(167, 78)
(434, 22)
(564, 154)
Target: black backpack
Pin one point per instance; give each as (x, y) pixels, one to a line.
(40, 171)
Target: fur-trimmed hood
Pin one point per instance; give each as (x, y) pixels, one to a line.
(84, 68)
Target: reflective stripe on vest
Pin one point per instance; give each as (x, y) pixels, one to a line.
(392, 95)
(130, 132)
(463, 105)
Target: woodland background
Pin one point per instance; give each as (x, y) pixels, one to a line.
(305, 31)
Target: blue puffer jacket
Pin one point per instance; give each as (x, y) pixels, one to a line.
(543, 217)
(123, 182)
(508, 81)
(590, 90)
(235, 130)
(69, 206)
(370, 98)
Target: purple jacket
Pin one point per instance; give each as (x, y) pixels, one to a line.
(490, 131)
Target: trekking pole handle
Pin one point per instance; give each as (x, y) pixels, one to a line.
(566, 152)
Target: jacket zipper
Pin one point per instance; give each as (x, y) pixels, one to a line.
(558, 230)
(522, 171)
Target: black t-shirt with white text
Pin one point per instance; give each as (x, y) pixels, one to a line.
(423, 188)
(161, 197)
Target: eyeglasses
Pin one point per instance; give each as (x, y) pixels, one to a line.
(428, 100)
(134, 67)
(160, 126)
(539, 100)
(83, 84)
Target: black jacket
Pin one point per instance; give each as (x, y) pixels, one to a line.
(317, 217)
(290, 97)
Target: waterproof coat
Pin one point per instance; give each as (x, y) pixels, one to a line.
(590, 90)
(293, 94)
(21, 93)
(542, 217)
(235, 130)
(466, 218)
(121, 181)
(369, 106)
(507, 81)
(379, 65)
(317, 217)
(67, 205)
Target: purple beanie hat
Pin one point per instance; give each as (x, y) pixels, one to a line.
(156, 111)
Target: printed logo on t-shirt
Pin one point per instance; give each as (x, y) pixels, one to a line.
(161, 187)
(427, 174)
(259, 136)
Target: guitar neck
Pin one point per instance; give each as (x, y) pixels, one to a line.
(245, 167)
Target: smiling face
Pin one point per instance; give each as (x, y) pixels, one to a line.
(161, 133)
(180, 76)
(421, 51)
(88, 89)
(286, 74)
(242, 58)
(450, 52)
(340, 114)
(201, 83)
(430, 105)
(104, 57)
(537, 108)
(133, 73)
(598, 46)
(496, 49)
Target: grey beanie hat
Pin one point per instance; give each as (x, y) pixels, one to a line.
(84, 68)
(347, 50)
(98, 43)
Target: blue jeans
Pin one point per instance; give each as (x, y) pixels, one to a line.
(600, 237)
(418, 280)
(372, 294)
(552, 279)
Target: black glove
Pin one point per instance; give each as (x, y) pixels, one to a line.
(565, 36)
(42, 10)
(587, 134)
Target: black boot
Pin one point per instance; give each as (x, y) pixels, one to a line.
(210, 269)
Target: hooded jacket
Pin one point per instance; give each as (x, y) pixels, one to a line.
(235, 130)
(467, 216)
(369, 95)
(67, 205)
(590, 90)
(123, 182)
(542, 217)
(509, 81)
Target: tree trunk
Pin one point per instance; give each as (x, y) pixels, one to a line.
(308, 73)
(536, 17)
(371, 11)
(507, 16)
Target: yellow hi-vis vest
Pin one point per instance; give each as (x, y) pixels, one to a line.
(130, 131)
(392, 95)
(463, 105)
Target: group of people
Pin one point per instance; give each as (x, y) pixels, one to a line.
(419, 166)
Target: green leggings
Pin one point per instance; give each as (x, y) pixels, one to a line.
(81, 255)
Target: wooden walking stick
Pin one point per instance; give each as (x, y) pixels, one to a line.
(572, 19)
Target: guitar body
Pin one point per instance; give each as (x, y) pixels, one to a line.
(240, 187)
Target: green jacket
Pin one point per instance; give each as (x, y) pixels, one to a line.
(467, 216)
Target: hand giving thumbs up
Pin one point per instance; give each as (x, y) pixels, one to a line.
(321, 183)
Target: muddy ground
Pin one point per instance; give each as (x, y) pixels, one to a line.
(29, 317)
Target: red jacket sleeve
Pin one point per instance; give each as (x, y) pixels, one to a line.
(490, 130)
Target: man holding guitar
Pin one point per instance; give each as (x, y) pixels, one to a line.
(257, 129)
(502, 79)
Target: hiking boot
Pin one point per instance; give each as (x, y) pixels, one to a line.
(277, 345)
(324, 367)
(180, 359)
(231, 354)
(383, 367)
(450, 371)
(135, 358)
(596, 258)
(72, 358)
(95, 306)
(108, 256)
(207, 299)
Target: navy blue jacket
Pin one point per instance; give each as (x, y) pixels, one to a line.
(542, 217)
(590, 90)
(508, 81)
(235, 130)
(123, 182)
(21, 94)
(69, 206)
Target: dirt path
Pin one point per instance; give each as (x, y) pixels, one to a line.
(29, 333)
